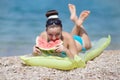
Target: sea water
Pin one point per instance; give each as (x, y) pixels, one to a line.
(22, 20)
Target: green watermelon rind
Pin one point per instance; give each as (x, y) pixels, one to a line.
(46, 51)
(50, 50)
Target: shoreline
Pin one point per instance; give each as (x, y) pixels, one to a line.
(104, 67)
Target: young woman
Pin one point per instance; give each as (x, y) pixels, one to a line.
(72, 43)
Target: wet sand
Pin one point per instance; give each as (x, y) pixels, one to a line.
(104, 67)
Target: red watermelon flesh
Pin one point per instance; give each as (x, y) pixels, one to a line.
(43, 44)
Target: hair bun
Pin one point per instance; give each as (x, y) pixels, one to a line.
(52, 14)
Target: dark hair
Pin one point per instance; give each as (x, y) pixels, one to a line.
(51, 12)
(53, 21)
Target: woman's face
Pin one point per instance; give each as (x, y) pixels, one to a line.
(54, 33)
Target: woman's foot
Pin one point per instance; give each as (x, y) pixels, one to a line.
(74, 18)
(72, 10)
(82, 17)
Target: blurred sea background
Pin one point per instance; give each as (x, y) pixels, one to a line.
(22, 20)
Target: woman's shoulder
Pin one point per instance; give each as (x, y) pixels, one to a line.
(43, 33)
(66, 34)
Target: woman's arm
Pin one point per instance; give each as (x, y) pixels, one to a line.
(70, 49)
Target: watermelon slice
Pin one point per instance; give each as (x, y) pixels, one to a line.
(47, 47)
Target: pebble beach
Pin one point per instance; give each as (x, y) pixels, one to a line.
(104, 67)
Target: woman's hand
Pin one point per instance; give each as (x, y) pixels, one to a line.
(60, 48)
(36, 51)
